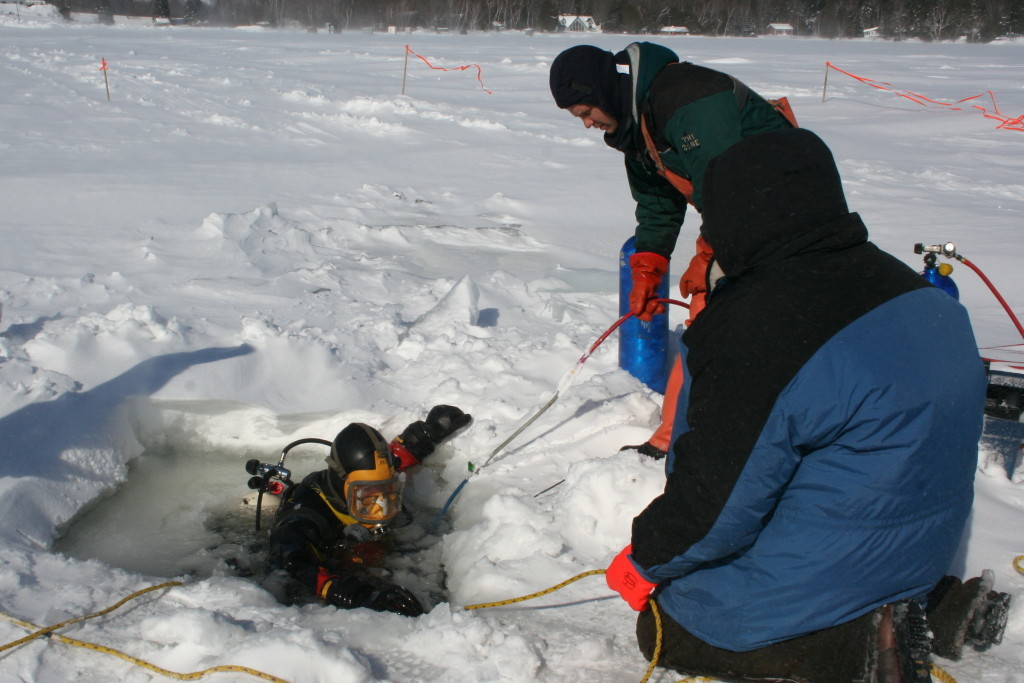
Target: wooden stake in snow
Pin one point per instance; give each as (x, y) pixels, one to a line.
(405, 68)
(103, 68)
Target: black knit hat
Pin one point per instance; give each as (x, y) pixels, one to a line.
(585, 74)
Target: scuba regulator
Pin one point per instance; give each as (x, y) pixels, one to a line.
(938, 274)
(274, 479)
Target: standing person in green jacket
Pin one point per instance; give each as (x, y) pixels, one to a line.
(669, 119)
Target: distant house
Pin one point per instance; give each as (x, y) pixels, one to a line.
(873, 32)
(673, 30)
(119, 19)
(577, 24)
(780, 30)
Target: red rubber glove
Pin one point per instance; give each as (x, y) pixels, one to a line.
(647, 268)
(622, 577)
(695, 279)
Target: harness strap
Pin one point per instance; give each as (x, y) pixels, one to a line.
(782, 106)
(342, 517)
(685, 185)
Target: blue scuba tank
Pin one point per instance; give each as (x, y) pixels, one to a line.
(643, 346)
(938, 275)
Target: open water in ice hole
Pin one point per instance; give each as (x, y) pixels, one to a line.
(182, 512)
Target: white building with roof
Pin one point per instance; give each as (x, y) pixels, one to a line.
(577, 24)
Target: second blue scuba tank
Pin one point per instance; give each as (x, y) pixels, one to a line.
(938, 275)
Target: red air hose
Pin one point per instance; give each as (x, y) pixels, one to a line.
(563, 385)
(992, 287)
(621, 320)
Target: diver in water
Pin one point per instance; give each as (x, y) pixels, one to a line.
(331, 528)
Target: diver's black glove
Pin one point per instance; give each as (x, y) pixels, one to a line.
(444, 421)
(350, 592)
(421, 437)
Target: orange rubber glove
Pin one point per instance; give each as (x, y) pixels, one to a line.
(647, 268)
(695, 279)
(623, 577)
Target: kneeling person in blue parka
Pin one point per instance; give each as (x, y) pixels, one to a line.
(821, 470)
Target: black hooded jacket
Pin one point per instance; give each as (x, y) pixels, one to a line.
(819, 468)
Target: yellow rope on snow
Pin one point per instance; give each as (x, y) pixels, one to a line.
(592, 572)
(48, 631)
(531, 596)
(75, 620)
(936, 672)
(1018, 564)
(657, 640)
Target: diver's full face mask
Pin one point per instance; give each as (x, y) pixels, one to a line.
(374, 496)
(375, 501)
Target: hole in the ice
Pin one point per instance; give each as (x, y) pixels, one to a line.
(487, 317)
(183, 511)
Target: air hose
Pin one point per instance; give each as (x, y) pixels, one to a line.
(995, 292)
(949, 251)
(274, 478)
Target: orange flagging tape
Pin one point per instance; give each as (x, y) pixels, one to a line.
(1005, 122)
(479, 71)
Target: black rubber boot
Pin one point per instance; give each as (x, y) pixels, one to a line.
(913, 642)
(966, 613)
(989, 621)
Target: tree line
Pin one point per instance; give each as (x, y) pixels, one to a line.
(973, 20)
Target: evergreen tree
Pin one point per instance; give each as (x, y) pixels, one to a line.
(547, 16)
(1014, 19)
(193, 11)
(104, 12)
(622, 18)
(978, 20)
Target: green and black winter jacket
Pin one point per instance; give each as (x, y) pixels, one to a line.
(694, 114)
